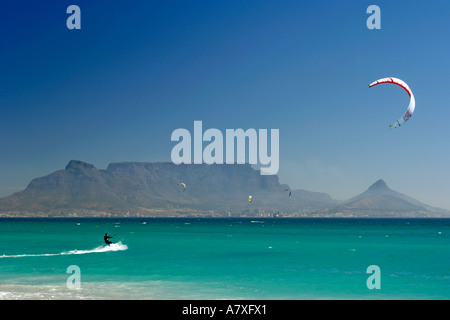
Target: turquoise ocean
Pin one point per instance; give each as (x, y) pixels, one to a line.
(235, 258)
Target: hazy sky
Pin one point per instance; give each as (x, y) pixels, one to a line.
(137, 70)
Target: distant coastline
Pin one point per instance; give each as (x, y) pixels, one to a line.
(137, 189)
(208, 214)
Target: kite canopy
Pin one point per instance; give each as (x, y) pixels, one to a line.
(181, 183)
(412, 101)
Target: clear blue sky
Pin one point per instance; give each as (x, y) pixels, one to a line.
(137, 70)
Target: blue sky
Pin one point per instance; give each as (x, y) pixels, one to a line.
(137, 70)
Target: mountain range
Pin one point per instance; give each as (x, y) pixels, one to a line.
(154, 189)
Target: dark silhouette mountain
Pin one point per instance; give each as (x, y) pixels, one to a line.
(134, 187)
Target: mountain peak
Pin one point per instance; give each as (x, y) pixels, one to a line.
(77, 164)
(379, 198)
(379, 185)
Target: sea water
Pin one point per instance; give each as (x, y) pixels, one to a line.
(239, 258)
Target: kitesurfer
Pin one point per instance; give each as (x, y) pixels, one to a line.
(106, 237)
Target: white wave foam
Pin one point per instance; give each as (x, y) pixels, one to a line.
(112, 247)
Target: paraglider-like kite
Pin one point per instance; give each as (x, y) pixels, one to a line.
(181, 183)
(412, 101)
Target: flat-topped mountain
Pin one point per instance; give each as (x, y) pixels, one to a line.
(154, 189)
(137, 187)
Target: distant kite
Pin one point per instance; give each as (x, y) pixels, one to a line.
(181, 183)
(249, 198)
(412, 101)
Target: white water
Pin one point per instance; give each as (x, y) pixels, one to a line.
(112, 247)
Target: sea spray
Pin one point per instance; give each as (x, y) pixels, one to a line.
(112, 247)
